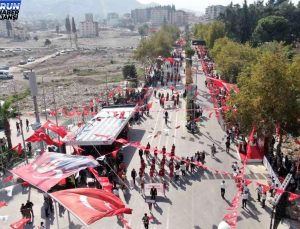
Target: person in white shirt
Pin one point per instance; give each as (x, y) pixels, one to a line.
(244, 200)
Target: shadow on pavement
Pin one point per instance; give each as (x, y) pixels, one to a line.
(135, 135)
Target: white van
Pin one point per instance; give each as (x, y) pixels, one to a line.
(4, 75)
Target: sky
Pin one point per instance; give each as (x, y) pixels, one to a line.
(197, 5)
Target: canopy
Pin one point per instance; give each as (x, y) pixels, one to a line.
(50, 168)
(104, 127)
(89, 204)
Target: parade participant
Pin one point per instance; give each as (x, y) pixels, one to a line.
(27, 125)
(192, 164)
(18, 127)
(153, 193)
(202, 157)
(153, 161)
(29, 205)
(183, 169)
(244, 199)
(161, 173)
(227, 146)
(151, 174)
(177, 99)
(155, 151)
(155, 93)
(171, 172)
(163, 150)
(177, 174)
(188, 164)
(147, 152)
(167, 97)
(223, 189)
(142, 189)
(259, 191)
(173, 149)
(213, 150)
(145, 220)
(141, 153)
(263, 199)
(133, 175)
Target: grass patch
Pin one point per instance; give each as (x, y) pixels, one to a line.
(86, 72)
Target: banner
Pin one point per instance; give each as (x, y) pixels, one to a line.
(89, 204)
(20, 224)
(60, 130)
(50, 168)
(158, 186)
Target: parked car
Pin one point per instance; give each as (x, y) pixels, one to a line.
(4, 75)
(31, 59)
(22, 62)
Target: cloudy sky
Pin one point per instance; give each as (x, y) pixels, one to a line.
(196, 5)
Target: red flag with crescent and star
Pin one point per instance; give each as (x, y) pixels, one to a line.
(20, 223)
(89, 204)
(18, 148)
(60, 130)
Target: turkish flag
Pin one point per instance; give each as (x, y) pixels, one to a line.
(122, 141)
(89, 204)
(18, 148)
(7, 179)
(104, 181)
(279, 191)
(230, 216)
(20, 224)
(293, 196)
(177, 127)
(62, 182)
(44, 137)
(2, 204)
(247, 182)
(114, 153)
(122, 115)
(60, 130)
(33, 138)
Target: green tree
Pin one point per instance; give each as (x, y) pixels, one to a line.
(271, 28)
(6, 113)
(74, 31)
(232, 58)
(143, 30)
(47, 42)
(129, 71)
(209, 32)
(36, 38)
(159, 44)
(68, 28)
(8, 28)
(268, 96)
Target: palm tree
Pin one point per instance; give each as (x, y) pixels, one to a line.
(5, 114)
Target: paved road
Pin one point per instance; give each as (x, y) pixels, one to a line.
(192, 203)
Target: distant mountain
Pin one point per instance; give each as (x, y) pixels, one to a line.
(58, 9)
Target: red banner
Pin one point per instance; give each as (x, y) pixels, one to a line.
(50, 168)
(60, 130)
(18, 148)
(20, 224)
(90, 205)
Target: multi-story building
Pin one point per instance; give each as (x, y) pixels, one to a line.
(113, 19)
(159, 15)
(140, 16)
(162, 14)
(213, 12)
(18, 31)
(88, 28)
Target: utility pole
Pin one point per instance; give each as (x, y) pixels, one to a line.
(106, 89)
(56, 119)
(34, 93)
(45, 105)
(22, 132)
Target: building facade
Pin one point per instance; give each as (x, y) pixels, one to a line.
(213, 12)
(159, 15)
(113, 19)
(88, 28)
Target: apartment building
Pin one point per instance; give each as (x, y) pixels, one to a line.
(213, 12)
(88, 28)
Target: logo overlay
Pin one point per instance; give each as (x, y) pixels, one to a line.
(9, 9)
